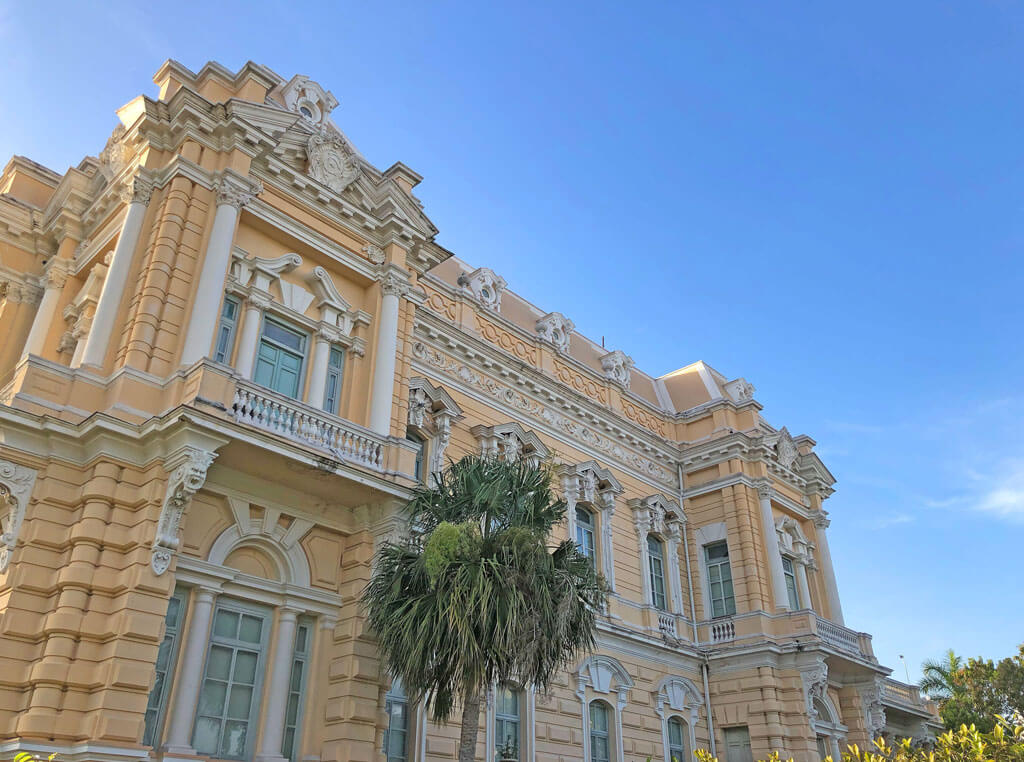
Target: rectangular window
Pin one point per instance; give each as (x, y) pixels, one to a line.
(506, 723)
(280, 358)
(396, 740)
(790, 575)
(296, 689)
(332, 386)
(229, 700)
(421, 452)
(166, 658)
(655, 558)
(716, 557)
(600, 746)
(737, 745)
(226, 330)
(585, 534)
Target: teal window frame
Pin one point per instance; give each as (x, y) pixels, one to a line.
(396, 739)
(508, 722)
(586, 525)
(656, 570)
(600, 732)
(334, 380)
(421, 453)
(166, 661)
(221, 642)
(791, 590)
(719, 571)
(280, 346)
(226, 327)
(676, 740)
(297, 680)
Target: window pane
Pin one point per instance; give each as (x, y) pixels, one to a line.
(225, 625)
(218, 664)
(211, 698)
(598, 717)
(251, 630)
(675, 732)
(291, 339)
(206, 736)
(233, 744)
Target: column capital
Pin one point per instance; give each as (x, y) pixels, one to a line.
(393, 284)
(237, 191)
(56, 273)
(821, 521)
(764, 488)
(258, 299)
(136, 190)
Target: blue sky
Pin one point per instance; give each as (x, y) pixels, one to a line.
(824, 198)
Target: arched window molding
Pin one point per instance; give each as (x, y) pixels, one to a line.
(511, 442)
(814, 677)
(678, 697)
(16, 484)
(594, 486)
(602, 677)
(662, 517)
(431, 414)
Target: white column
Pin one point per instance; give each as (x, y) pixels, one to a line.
(607, 500)
(821, 524)
(137, 197)
(190, 675)
(53, 280)
(318, 374)
(233, 192)
(771, 544)
(801, 583)
(280, 676)
(386, 353)
(250, 334)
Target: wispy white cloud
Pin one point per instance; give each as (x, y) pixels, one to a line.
(1003, 492)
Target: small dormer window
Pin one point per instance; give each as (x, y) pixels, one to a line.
(304, 110)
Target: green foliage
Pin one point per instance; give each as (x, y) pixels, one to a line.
(480, 597)
(1004, 743)
(976, 691)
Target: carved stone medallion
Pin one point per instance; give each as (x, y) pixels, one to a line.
(331, 161)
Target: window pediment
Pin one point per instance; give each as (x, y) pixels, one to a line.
(511, 442)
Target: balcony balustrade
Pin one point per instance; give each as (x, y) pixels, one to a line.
(844, 639)
(344, 440)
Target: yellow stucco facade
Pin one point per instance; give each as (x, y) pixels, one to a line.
(230, 346)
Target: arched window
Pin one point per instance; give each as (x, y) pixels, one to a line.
(585, 534)
(656, 562)
(600, 737)
(396, 740)
(676, 740)
(507, 724)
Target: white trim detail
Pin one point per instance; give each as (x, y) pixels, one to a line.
(603, 675)
(678, 696)
(190, 466)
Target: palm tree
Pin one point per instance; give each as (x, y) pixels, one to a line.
(939, 677)
(478, 597)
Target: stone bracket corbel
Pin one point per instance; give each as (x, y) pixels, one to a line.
(190, 466)
(16, 483)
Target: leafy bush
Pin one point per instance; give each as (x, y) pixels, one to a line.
(1005, 743)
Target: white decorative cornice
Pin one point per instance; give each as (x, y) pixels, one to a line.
(555, 329)
(190, 467)
(616, 366)
(16, 483)
(484, 285)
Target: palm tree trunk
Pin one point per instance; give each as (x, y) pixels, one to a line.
(470, 727)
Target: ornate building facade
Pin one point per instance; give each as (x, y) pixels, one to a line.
(231, 347)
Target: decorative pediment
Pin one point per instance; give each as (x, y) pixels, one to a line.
(678, 695)
(589, 483)
(510, 441)
(484, 285)
(658, 514)
(616, 366)
(791, 537)
(308, 99)
(427, 400)
(334, 309)
(331, 160)
(556, 329)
